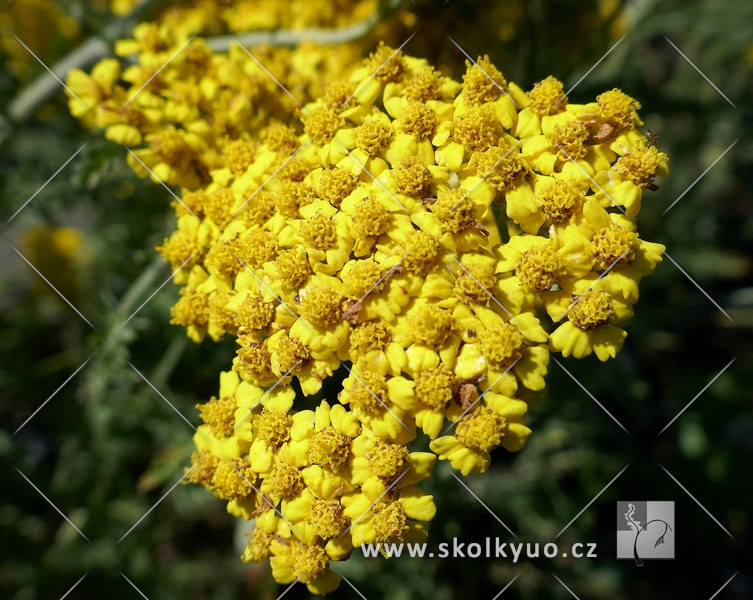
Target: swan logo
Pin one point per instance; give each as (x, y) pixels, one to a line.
(645, 530)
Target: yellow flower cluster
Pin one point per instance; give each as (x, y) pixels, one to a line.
(182, 108)
(359, 239)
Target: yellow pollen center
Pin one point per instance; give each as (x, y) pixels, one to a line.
(371, 218)
(327, 518)
(273, 428)
(617, 108)
(238, 156)
(477, 129)
(233, 480)
(594, 308)
(372, 335)
(436, 387)
(640, 166)
(431, 325)
(417, 119)
(539, 268)
(281, 139)
(219, 414)
(386, 63)
(500, 169)
(285, 480)
(424, 85)
(421, 250)
(361, 279)
(388, 522)
(257, 247)
(292, 267)
(388, 460)
(203, 466)
(321, 306)
(614, 243)
(411, 177)
(257, 549)
(501, 344)
(321, 124)
(571, 138)
(319, 232)
(329, 448)
(191, 309)
(482, 81)
(254, 314)
(308, 562)
(253, 362)
(454, 209)
(336, 184)
(482, 430)
(547, 97)
(367, 393)
(291, 351)
(561, 200)
(475, 283)
(373, 136)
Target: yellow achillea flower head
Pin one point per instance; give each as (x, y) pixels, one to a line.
(364, 233)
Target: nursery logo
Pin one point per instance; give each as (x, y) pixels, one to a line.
(645, 530)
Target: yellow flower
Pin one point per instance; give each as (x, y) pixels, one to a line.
(496, 421)
(388, 521)
(592, 305)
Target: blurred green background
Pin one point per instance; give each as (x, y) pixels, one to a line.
(107, 447)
